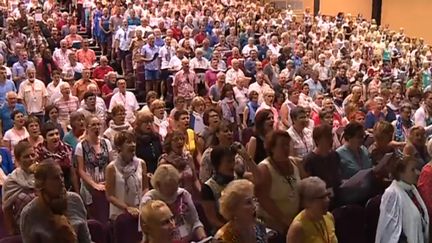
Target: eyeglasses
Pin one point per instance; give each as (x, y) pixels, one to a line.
(324, 196)
(251, 201)
(96, 124)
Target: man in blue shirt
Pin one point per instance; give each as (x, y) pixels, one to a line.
(7, 108)
(150, 52)
(5, 85)
(315, 85)
(19, 69)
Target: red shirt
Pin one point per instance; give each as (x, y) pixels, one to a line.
(424, 186)
(200, 38)
(60, 24)
(99, 73)
(106, 90)
(177, 33)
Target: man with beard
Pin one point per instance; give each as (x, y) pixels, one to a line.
(54, 215)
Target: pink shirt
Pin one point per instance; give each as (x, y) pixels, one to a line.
(87, 58)
(185, 84)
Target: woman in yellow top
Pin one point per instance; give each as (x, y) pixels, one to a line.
(194, 144)
(314, 224)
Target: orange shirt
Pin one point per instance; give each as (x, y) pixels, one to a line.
(80, 87)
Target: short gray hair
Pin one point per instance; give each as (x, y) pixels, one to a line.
(310, 187)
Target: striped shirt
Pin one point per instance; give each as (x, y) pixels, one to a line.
(66, 107)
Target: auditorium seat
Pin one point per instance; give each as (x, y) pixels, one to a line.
(3, 232)
(372, 212)
(99, 210)
(350, 224)
(125, 229)
(11, 239)
(98, 231)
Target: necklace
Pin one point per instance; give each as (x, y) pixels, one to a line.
(289, 179)
(242, 236)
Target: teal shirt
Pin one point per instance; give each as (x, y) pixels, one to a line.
(70, 139)
(387, 55)
(426, 77)
(349, 164)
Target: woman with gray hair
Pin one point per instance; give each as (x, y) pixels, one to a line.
(314, 222)
(165, 182)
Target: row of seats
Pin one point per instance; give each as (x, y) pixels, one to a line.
(123, 229)
(357, 224)
(353, 223)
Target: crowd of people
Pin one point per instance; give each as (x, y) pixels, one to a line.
(227, 121)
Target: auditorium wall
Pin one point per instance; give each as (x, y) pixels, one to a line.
(354, 7)
(413, 15)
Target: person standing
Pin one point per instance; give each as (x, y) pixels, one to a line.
(126, 99)
(33, 95)
(150, 54)
(122, 43)
(185, 82)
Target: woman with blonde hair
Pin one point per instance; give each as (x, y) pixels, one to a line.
(166, 181)
(267, 104)
(157, 222)
(314, 222)
(196, 117)
(238, 207)
(160, 118)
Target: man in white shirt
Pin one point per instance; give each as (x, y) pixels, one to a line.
(274, 47)
(315, 86)
(33, 94)
(144, 27)
(122, 43)
(259, 86)
(53, 88)
(234, 73)
(249, 47)
(61, 55)
(175, 63)
(199, 62)
(125, 98)
(324, 74)
(187, 36)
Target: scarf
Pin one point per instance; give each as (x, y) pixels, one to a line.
(62, 155)
(253, 107)
(399, 133)
(17, 182)
(119, 128)
(162, 126)
(132, 183)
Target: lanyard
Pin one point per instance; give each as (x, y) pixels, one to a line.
(123, 99)
(322, 229)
